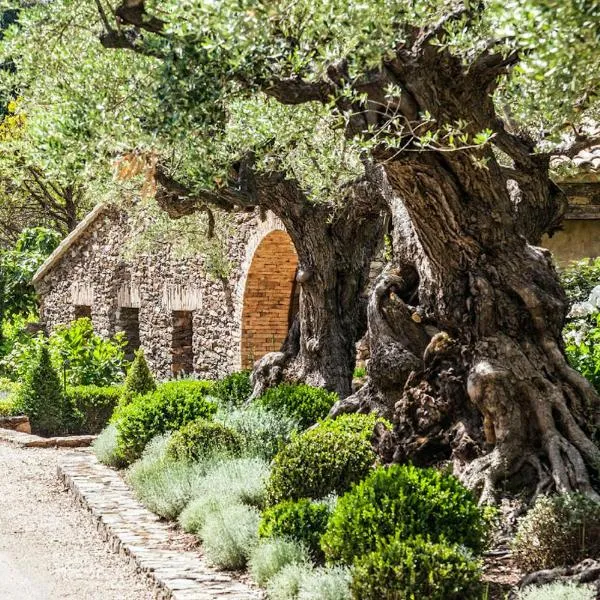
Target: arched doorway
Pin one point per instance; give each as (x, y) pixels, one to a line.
(269, 297)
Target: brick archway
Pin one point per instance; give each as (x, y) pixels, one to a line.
(268, 299)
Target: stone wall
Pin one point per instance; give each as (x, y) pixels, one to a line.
(93, 272)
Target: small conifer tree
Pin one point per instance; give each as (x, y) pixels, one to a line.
(139, 378)
(42, 398)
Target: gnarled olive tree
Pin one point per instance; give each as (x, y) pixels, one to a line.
(451, 112)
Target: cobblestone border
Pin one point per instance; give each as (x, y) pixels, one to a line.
(139, 535)
(27, 440)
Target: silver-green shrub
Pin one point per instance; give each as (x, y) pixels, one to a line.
(264, 431)
(193, 516)
(163, 485)
(269, 557)
(559, 530)
(105, 447)
(332, 583)
(242, 478)
(285, 585)
(229, 535)
(558, 591)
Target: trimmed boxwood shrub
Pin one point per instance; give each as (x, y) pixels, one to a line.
(169, 408)
(139, 378)
(305, 403)
(403, 501)
(326, 459)
(233, 390)
(415, 568)
(203, 438)
(558, 530)
(92, 407)
(301, 520)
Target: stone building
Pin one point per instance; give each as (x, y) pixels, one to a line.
(186, 320)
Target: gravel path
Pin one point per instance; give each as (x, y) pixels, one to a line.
(48, 547)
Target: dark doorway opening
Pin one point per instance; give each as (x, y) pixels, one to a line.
(128, 321)
(181, 344)
(83, 312)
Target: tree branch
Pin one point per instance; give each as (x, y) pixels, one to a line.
(580, 144)
(294, 90)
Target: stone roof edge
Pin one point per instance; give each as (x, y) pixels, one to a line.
(68, 242)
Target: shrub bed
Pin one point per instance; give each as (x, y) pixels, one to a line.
(403, 502)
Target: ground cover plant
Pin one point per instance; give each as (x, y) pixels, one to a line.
(264, 432)
(558, 591)
(270, 556)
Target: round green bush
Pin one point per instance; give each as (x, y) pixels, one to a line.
(403, 501)
(202, 439)
(302, 520)
(234, 389)
(305, 403)
(169, 408)
(558, 530)
(414, 569)
(326, 459)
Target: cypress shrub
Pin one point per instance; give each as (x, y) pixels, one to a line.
(139, 379)
(41, 397)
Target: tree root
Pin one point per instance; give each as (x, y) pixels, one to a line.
(586, 572)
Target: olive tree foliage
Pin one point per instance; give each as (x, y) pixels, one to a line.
(443, 115)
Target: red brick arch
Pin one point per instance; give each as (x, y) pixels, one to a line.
(268, 297)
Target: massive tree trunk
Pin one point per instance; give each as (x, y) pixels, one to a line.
(335, 251)
(465, 325)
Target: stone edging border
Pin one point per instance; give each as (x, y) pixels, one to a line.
(27, 440)
(139, 535)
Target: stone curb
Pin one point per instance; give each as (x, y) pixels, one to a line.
(141, 537)
(27, 440)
